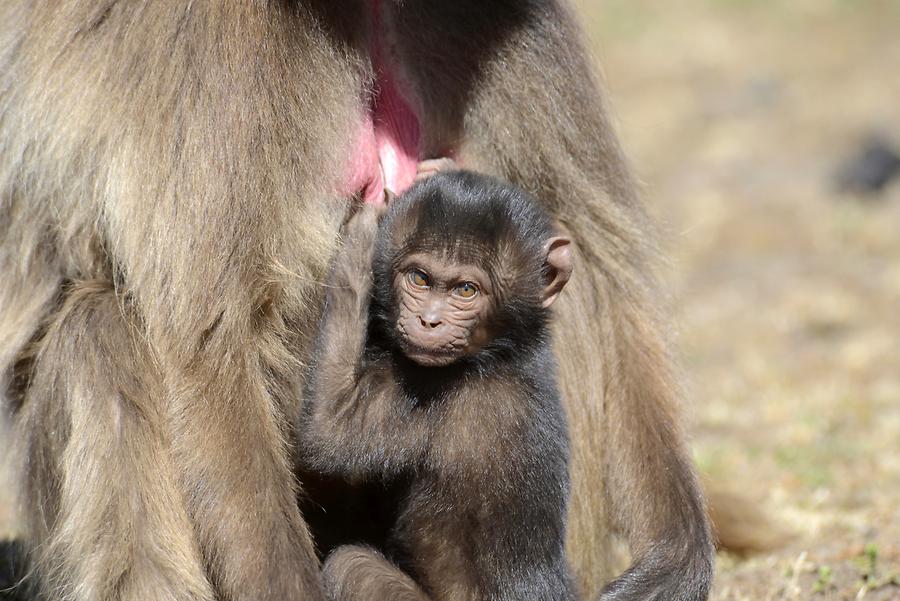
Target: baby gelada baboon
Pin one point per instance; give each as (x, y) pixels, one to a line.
(433, 387)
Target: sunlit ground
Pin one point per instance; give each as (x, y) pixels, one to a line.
(786, 293)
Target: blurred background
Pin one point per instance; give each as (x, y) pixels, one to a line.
(762, 131)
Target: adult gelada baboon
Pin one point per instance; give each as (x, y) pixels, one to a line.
(172, 179)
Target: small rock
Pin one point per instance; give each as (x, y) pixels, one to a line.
(871, 168)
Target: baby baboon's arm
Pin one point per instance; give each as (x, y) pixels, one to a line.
(352, 421)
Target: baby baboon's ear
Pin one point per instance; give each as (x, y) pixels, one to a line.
(559, 261)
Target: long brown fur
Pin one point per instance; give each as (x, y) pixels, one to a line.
(185, 155)
(740, 525)
(355, 573)
(116, 522)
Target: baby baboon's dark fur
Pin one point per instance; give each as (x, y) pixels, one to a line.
(477, 448)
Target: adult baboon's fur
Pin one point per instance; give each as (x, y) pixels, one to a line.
(168, 204)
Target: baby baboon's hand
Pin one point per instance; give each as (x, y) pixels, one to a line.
(426, 169)
(353, 263)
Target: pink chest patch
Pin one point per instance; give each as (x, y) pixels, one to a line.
(386, 145)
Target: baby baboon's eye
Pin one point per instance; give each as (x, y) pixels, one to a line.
(466, 290)
(418, 278)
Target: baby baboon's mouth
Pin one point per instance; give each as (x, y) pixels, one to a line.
(429, 356)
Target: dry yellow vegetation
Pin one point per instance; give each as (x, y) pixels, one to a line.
(786, 293)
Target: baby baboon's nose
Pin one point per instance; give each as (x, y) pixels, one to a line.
(429, 322)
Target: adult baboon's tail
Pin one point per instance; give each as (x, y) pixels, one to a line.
(740, 525)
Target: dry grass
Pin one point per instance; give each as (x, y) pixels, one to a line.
(787, 294)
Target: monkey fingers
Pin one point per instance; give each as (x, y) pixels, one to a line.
(426, 169)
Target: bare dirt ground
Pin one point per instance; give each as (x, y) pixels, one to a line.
(786, 294)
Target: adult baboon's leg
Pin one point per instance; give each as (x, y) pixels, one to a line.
(108, 521)
(194, 147)
(355, 573)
